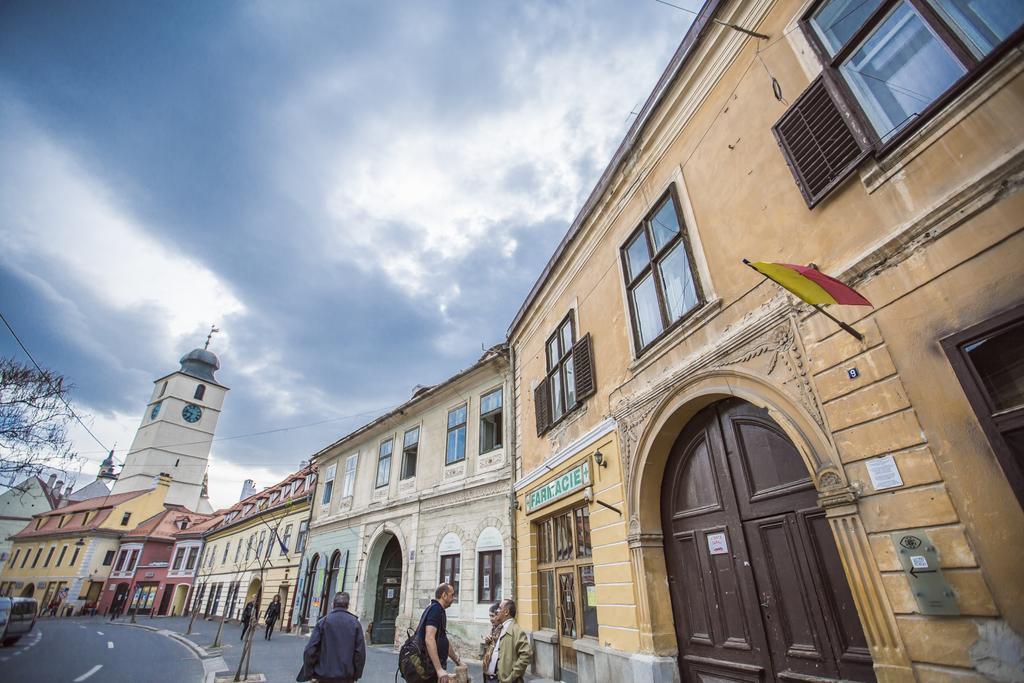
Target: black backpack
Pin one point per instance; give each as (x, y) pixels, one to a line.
(413, 661)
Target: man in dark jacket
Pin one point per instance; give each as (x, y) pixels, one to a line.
(247, 615)
(336, 650)
(273, 612)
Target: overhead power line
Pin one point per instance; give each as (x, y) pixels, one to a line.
(47, 378)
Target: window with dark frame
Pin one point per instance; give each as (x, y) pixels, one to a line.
(455, 446)
(384, 451)
(570, 375)
(491, 427)
(410, 449)
(200, 392)
(488, 576)
(661, 282)
(124, 518)
(564, 547)
(988, 359)
(74, 557)
(49, 556)
(450, 569)
(108, 557)
(889, 65)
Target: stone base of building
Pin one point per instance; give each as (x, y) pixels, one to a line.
(602, 664)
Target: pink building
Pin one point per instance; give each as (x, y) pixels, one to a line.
(155, 564)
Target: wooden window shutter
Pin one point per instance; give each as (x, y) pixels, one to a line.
(583, 364)
(818, 141)
(542, 406)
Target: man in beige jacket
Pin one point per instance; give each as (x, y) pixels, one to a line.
(511, 654)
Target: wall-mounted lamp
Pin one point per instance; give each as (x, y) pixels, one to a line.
(515, 503)
(599, 459)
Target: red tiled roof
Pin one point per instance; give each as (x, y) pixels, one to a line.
(96, 503)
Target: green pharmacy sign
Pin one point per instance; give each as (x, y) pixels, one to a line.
(571, 481)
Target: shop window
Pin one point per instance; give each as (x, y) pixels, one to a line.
(989, 362)
(488, 576)
(546, 597)
(889, 65)
(455, 447)
(410, 450)
(490, 421)
(384, 462)
(450, 572)
(567, 592)
(570, 375)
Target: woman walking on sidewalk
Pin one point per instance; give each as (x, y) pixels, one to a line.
(273, 612)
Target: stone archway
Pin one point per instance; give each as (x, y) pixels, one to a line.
(648, 434)
(364, 588)
(29, 590)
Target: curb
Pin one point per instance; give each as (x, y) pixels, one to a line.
(213, 662)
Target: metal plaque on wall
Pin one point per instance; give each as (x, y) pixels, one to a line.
(920, 562)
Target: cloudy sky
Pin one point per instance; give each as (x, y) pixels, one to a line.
(358, 194)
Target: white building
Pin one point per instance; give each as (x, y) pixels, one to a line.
(417, 497)
(176, 433)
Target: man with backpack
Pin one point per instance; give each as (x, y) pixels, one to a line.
(434, 632)
(336, 651)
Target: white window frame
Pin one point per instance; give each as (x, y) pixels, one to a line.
(351, 465)
(329, 476)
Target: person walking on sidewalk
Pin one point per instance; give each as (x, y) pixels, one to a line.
(273, 612)
(247, 616)
(510, 657)
(336, 651)
(435, 632)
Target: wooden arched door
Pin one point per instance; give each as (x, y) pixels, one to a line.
(757, 587)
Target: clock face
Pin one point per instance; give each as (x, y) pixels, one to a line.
(156, 411)
(191, 413)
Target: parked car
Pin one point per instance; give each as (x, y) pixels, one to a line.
(17, 617)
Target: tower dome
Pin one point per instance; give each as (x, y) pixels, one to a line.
(201, 364)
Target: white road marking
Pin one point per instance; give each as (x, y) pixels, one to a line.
(88, 673)
(110, 645)
(100, 632)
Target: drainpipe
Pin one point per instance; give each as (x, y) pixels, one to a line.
(514, 443)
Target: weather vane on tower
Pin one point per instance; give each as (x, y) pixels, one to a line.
(213, 330)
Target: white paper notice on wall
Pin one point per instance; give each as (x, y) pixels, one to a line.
(884, 473)
(717, 544)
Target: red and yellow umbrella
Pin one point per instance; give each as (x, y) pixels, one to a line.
(812, 286)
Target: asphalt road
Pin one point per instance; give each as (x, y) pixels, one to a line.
(91, 650)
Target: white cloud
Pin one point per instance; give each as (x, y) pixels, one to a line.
(415, 194)
(226, 478)
(57, 212)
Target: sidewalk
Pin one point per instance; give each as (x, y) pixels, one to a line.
(280, 658)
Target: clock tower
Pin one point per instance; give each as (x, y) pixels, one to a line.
(177, 431)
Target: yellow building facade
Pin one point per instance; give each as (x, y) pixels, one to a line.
(255, 551)
(65, 555)
(779, 498)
